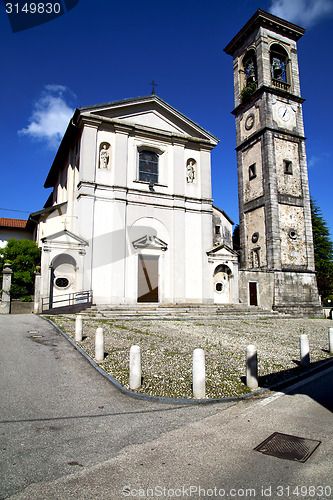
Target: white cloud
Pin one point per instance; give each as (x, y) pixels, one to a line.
(313, 161)
(303, 12)
(50, 116)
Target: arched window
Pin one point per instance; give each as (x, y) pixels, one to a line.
(279, 67)
(250, 67)
(148, 166)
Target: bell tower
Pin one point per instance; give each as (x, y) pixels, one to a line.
(277, 262)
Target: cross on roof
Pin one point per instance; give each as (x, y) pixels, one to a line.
(153, 85)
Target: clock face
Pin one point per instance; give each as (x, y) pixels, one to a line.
(284, 113)
(249, 122)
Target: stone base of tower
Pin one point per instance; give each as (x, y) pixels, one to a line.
(289, 292)
(297, 293)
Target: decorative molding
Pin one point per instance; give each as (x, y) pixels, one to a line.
(150, 242)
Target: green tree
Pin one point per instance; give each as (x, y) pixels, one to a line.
(24, 256)
(323, 252)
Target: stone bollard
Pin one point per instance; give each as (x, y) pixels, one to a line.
(99, 345)
(199, 374)
(251, 367)
(6, 284)
(135, 367)
(78, 328)
(304, 350)
(330, 340)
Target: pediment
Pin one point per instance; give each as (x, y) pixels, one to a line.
(150, 242)
(64, 238)
(151, 112)
(222, 250)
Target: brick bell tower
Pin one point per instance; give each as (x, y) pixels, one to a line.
(277, 261)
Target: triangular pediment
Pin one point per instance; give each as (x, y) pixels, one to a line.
(64, 238)
(151, 112)
(150, 242)
(222, 250)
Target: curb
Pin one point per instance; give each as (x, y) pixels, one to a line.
(184, 401)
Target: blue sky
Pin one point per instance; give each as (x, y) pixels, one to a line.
(108, 50)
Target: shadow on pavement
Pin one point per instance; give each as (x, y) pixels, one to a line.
(319, 390)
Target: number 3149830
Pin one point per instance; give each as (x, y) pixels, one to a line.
(33, 8)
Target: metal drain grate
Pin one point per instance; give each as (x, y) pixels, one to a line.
(288, 447)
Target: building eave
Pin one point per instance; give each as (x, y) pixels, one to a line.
(267, 20)
(154, 99)
(71, 134)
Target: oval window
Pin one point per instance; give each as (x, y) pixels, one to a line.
(292, 234)
(219, 287)
(62, 282)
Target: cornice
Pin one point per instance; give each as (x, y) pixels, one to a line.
(276, 131)
(269, 90)
(268, 21)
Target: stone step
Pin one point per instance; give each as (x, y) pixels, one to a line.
(174, 311)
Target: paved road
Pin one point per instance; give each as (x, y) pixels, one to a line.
(149, 449)
(59, 415)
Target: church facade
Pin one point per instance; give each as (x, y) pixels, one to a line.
(131, 217)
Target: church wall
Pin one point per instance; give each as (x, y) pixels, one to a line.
(88, 153)
(105, 252)
(206, 267)
(85, 216)
(205, 177)
(192, 256)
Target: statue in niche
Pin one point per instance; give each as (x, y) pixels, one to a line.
(104, 156)
(190, 172)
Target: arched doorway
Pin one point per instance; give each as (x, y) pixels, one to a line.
(62, 277)
(222, 275)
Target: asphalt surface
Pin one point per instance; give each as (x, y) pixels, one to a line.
(59, 415)
(67, 429)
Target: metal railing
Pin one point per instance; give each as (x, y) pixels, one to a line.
(66, 300)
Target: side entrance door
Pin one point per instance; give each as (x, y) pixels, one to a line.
(148, 278)
(253, 294)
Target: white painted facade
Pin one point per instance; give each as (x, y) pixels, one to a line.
(108, 229)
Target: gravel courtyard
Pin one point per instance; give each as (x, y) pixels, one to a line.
(167, 347)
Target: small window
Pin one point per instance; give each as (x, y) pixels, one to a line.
(288, 167)
(217, 229)
(252, 171)
(148, 166)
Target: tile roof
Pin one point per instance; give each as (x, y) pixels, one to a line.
(15, 223)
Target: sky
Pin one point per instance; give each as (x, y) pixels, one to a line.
(106, 50)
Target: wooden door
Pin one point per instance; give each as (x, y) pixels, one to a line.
(148, 278)
(253, 294)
